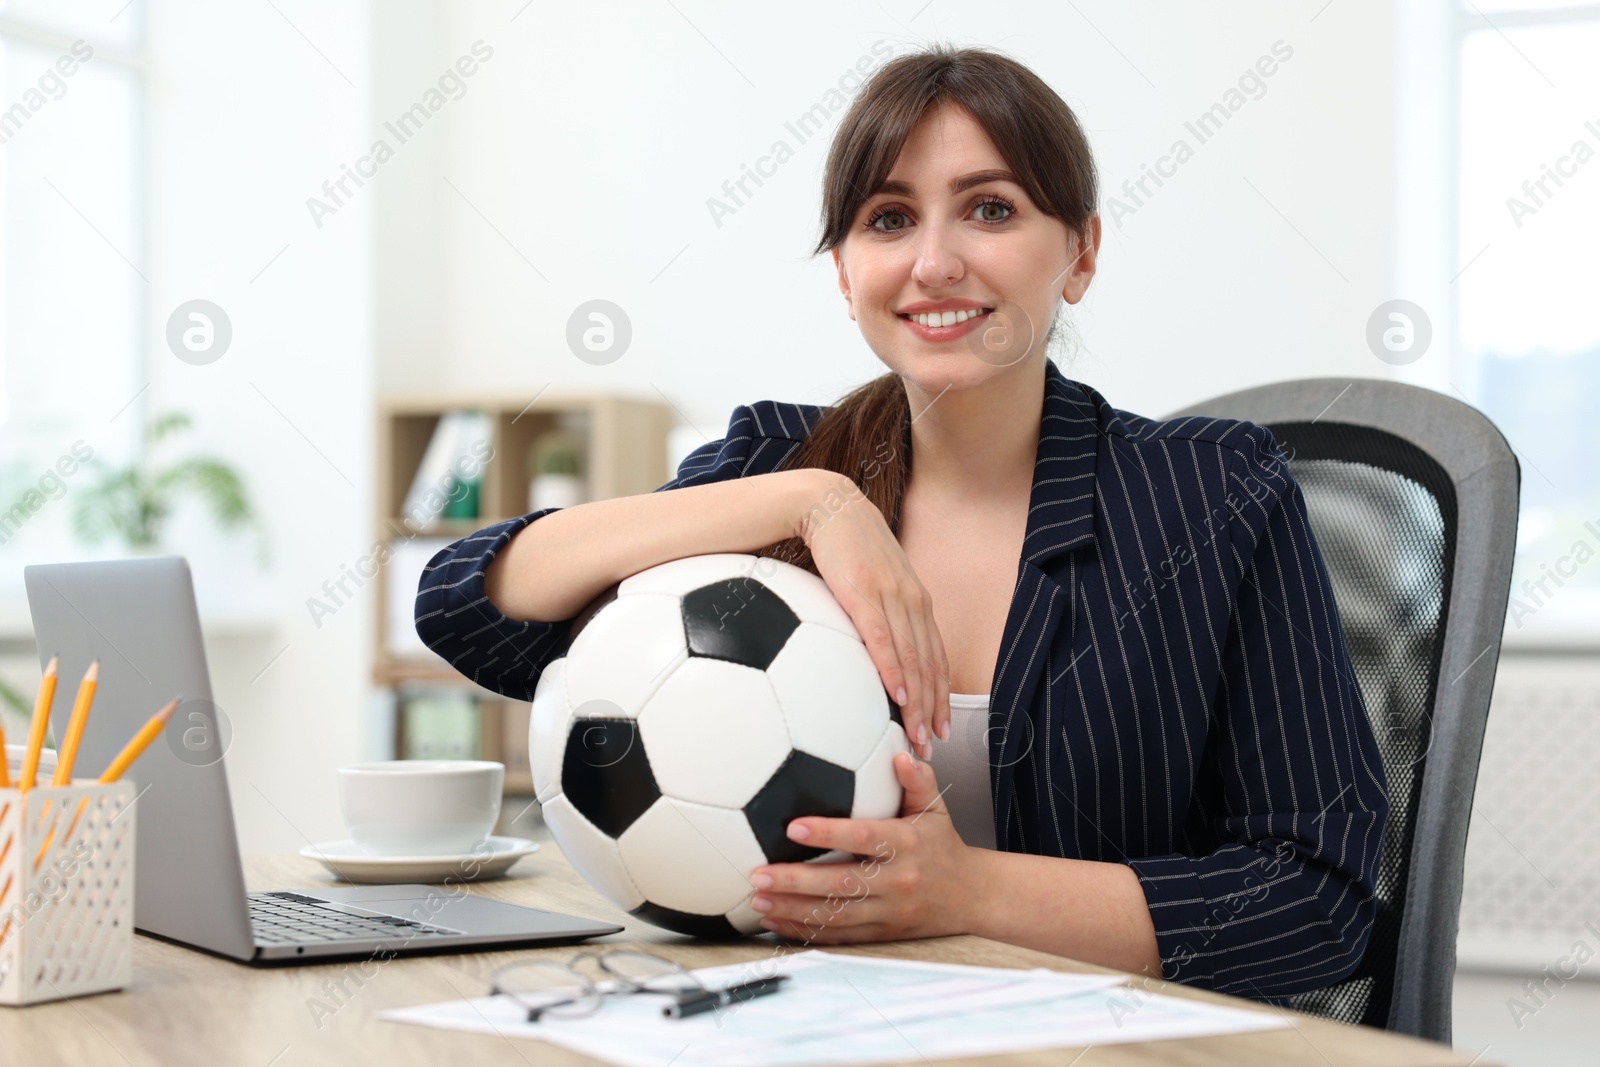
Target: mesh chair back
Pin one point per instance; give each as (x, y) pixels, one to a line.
(1384, 515)
(1398, 482)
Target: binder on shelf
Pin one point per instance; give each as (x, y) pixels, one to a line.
(440, 724)
(451, 468)
(402, 575)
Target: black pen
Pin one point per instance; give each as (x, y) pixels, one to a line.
(703, 1000)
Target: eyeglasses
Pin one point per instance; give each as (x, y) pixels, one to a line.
(564, 991)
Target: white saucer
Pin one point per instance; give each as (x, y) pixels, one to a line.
(492, 859)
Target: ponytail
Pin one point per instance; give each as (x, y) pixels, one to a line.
(866, 436)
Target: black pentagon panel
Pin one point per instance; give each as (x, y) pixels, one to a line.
(739, 620)
(712, 927)
(894, 712)
(804, 785)
(582, 618)
(606, 775)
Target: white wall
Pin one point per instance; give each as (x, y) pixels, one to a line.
(247, 121)
(409, 319)
(592, 140)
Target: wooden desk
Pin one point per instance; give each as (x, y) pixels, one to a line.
(186, 1007)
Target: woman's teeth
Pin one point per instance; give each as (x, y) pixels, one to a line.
(946, 318)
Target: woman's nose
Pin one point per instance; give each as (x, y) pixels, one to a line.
(938, 258)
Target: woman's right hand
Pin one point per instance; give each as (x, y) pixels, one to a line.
(869, 575)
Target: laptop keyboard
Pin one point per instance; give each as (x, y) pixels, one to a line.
(293, 918)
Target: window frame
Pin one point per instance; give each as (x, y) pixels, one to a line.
(1561, 632)
(135, 63)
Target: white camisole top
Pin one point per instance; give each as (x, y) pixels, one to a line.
(962, 765)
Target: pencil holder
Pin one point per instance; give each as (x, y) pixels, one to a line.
(66, 890)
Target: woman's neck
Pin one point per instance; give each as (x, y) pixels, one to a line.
(980, 441)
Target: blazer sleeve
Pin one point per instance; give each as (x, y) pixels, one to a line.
(1291, 794)
(455, 619)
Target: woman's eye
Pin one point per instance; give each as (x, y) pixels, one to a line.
(994, 206)
(888, 214)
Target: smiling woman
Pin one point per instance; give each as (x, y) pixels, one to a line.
(1183, 782)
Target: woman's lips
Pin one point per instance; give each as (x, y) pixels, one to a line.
(936, 334)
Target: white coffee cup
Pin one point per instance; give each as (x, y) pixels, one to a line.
(420, 807)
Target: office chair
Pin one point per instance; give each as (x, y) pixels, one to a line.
(1413, 499)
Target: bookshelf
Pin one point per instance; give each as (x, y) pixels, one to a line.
(623, 443)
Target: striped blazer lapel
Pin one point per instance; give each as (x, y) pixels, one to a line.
(1060, 520)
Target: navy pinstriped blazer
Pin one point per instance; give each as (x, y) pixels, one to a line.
(1173, 690)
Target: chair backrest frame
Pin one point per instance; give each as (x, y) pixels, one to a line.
(1487, 480)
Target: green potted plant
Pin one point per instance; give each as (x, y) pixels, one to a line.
(557, 462)
(133, 503)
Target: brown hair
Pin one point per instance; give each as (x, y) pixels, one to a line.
(866, 435)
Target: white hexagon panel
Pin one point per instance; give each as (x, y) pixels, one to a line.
(678, 576)
(548, 722)
(713, 714)
(877, 789)
(698, 858)
(593, 854)
(830, 693)
(622, 655)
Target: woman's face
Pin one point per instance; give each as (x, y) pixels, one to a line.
(950, 231)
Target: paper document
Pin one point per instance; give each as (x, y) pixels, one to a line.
(853, 1009)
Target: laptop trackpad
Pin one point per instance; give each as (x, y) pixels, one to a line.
(454, 908)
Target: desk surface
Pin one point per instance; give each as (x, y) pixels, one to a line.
(186, 1007)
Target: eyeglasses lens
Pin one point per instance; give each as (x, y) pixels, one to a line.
(643, 971)
(548, 989)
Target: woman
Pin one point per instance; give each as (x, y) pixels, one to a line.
(1160, 760)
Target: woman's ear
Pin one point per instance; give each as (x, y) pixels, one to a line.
(1080, 271)
(844, 285)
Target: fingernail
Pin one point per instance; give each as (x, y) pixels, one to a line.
(799, 831)
(900, 695)
(769, 924)
(761, 903)
(944, 731)
(761, 881)
(922, 734)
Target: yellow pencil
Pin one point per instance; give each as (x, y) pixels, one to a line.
(140, 741)
(40, 723)
(80, 715)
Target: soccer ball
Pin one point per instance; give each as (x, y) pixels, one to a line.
(700, 706)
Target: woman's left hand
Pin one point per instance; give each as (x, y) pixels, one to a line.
(915, 877)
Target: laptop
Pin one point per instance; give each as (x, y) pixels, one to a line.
(138, 617)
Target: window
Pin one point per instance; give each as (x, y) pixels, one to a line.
(73, 269)
(1528, 318)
